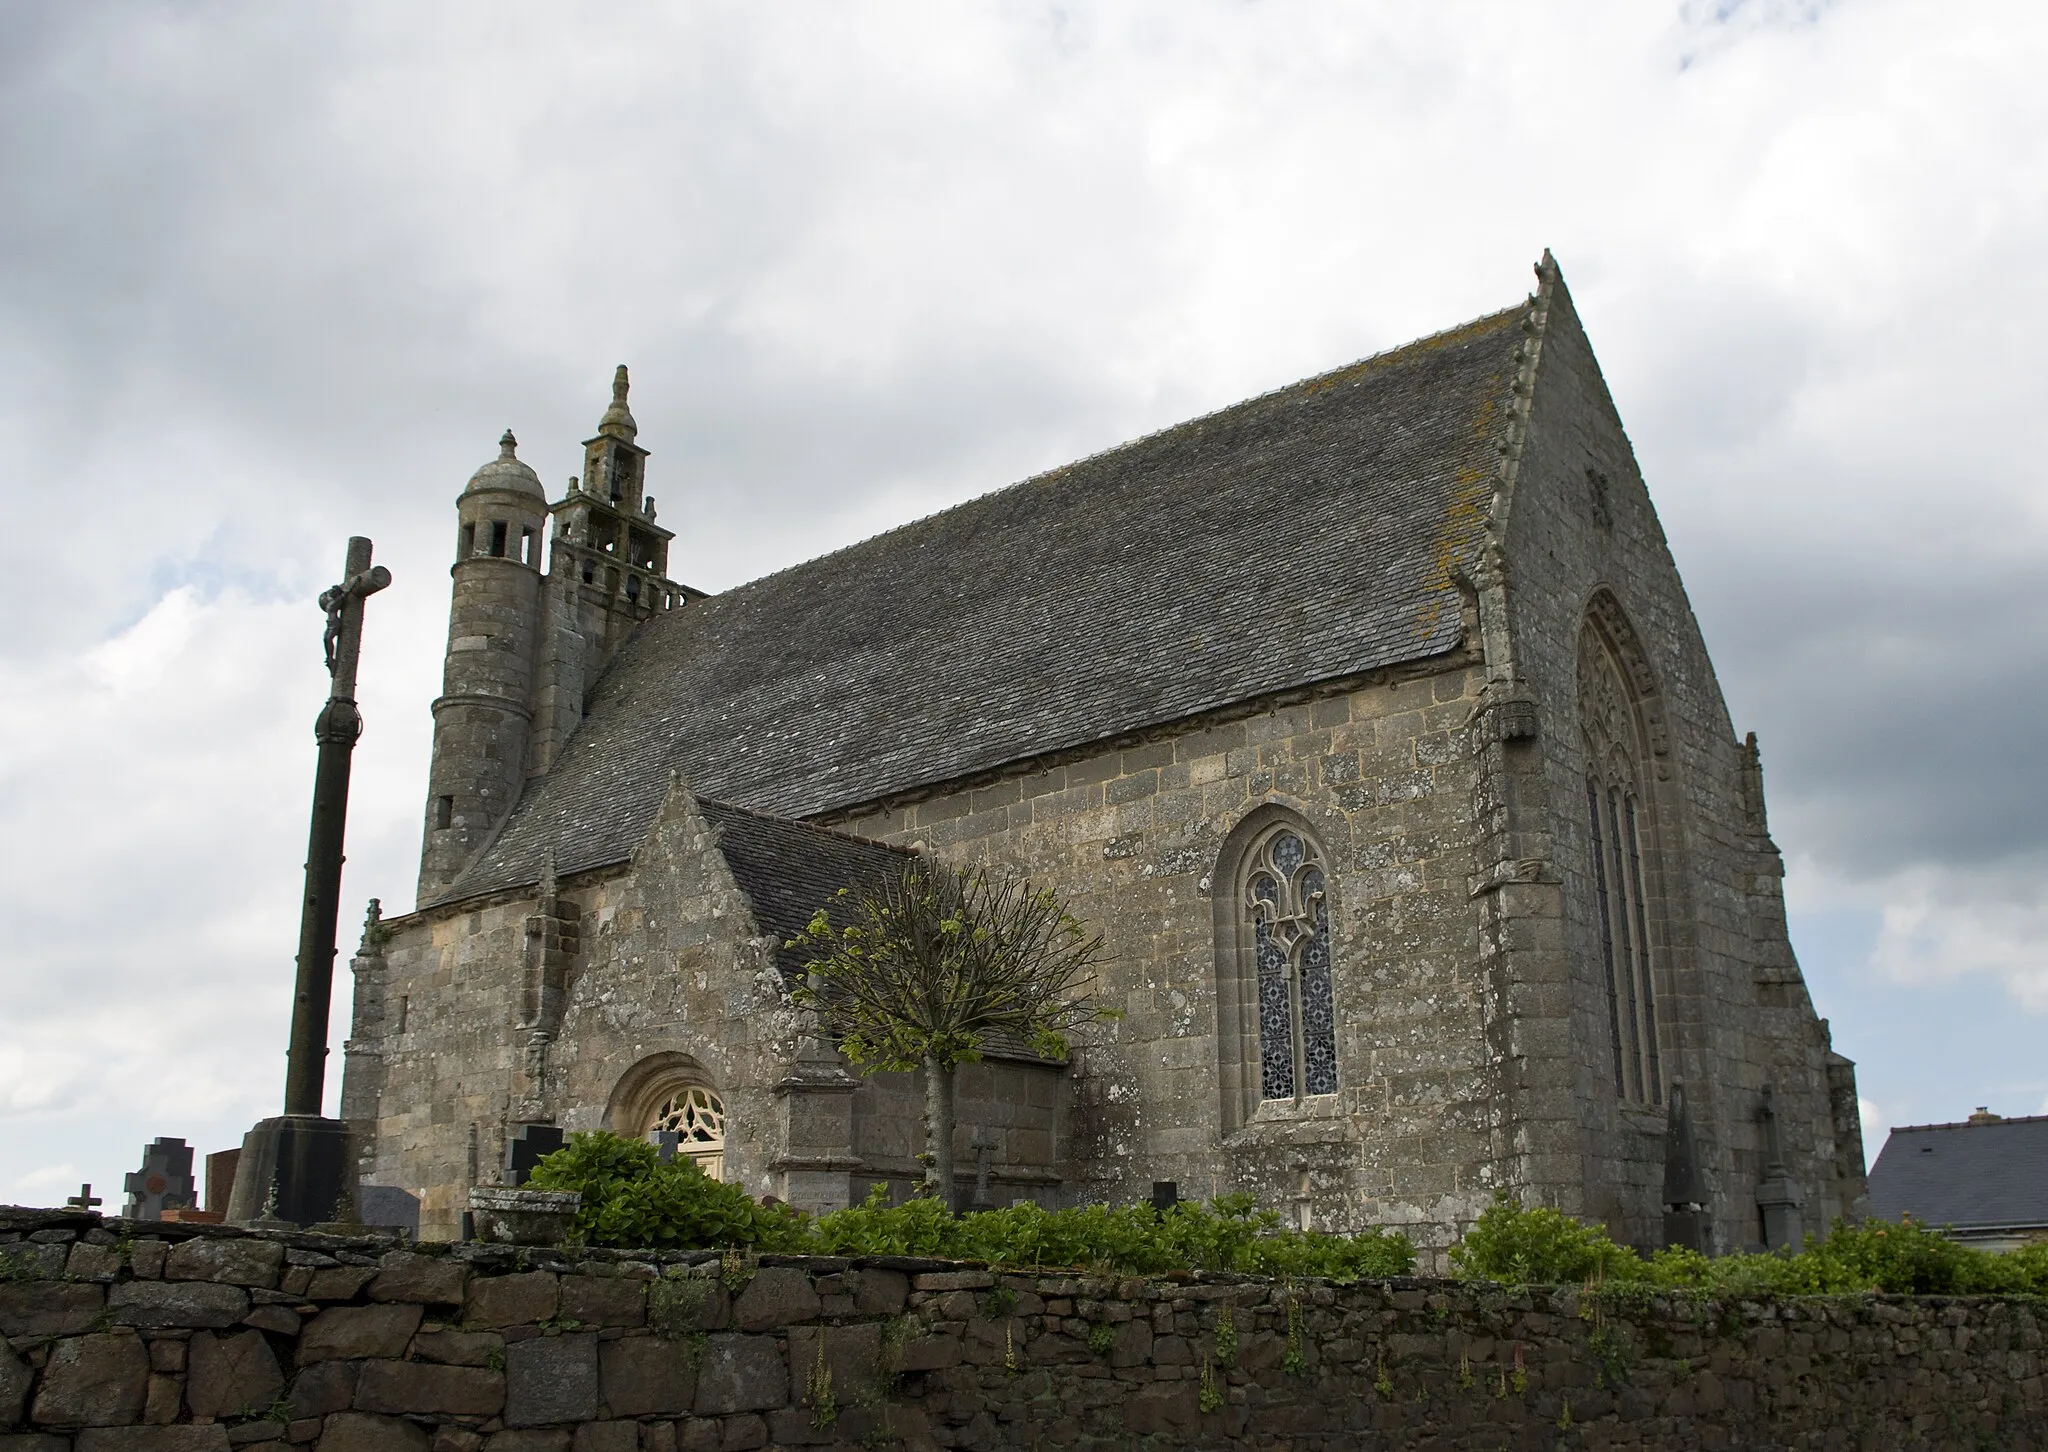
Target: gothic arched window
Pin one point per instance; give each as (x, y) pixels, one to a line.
(1619, 836)
(1276, 1000)
(668, 1098)
(691, 1121)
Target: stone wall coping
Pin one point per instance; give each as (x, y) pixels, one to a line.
(932, 1274)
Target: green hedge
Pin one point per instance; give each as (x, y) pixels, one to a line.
(631, 1198)
(1519, 1245)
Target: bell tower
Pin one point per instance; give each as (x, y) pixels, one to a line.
(605, 535)
(607, 572)
(525, 647)
(483, 717)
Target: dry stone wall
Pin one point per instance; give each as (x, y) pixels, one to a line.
(169, 1338)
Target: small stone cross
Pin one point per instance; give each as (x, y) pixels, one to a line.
(83, 1200)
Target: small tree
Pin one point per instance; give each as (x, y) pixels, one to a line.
(932, 964)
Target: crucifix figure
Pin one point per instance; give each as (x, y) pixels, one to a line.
(297, 1168)
(336, 729)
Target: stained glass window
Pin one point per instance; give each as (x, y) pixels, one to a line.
(1286, 898)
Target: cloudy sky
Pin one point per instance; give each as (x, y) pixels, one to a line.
(273, 275)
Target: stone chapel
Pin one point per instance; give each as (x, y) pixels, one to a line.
(1367, 719)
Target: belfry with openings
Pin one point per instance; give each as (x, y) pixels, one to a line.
(1367, 719)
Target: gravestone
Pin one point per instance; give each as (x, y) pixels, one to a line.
(163, 1183)
(1687, 1223)
(386, 1207)
(220, 1179)
(525, 1147)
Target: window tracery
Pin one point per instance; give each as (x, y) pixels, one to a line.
(1617, 825)
(695, 1117)
(1285, 902)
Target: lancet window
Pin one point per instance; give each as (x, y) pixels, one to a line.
(1620, 837)
(1285, 901)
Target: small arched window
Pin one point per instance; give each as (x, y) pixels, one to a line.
(1276, 999)
(1619, 837)
(668, 1098)
(691, 1121)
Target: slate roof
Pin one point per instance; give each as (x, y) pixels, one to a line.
(1305, 535)
(1994, 1173)
(789, 870)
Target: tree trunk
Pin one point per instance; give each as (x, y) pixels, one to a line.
(938, 1130)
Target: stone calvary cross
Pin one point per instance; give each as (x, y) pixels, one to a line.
(299, 1163)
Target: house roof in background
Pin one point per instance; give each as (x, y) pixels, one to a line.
(1992, 1172)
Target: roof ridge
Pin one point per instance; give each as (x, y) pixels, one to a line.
(1979, 1124)
(833, 832)
(1371, 363)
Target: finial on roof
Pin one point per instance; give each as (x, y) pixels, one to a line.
(506, 445)
(618, 419)
(374, 931)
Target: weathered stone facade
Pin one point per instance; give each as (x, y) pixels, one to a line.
(133, 1335)
(1536, 892)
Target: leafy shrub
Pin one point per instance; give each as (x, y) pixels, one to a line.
(1520, 1245)
(631, 1197)
(1233, 1234)
(1539, 1246)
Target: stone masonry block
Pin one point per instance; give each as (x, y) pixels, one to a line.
(245, 1261)
(514, 1300)
(776, 1296)
(551, 1379)
(324, 1387)
(743, 1433)
(48, 1308)
(606, 1437)
(339, 1283)
(741, 1374)
(351, 1332)
(100, 1380)
(851, 1354)
(164, 1305)
(647, 1376)
(530, 1440)
(417, 1387)
(880, 1292)
(603, 1301)
(230, 1375)
(15, 1380)
(429, 1279)
(153, 1439)
(93, 1262)
(1133, 1344)
(361, 1432)
(459, 1348)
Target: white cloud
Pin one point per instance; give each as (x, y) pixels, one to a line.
(282, 275)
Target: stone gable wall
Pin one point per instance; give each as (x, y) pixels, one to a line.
(1734, 1011)
(119, 1336)
(661, 960)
